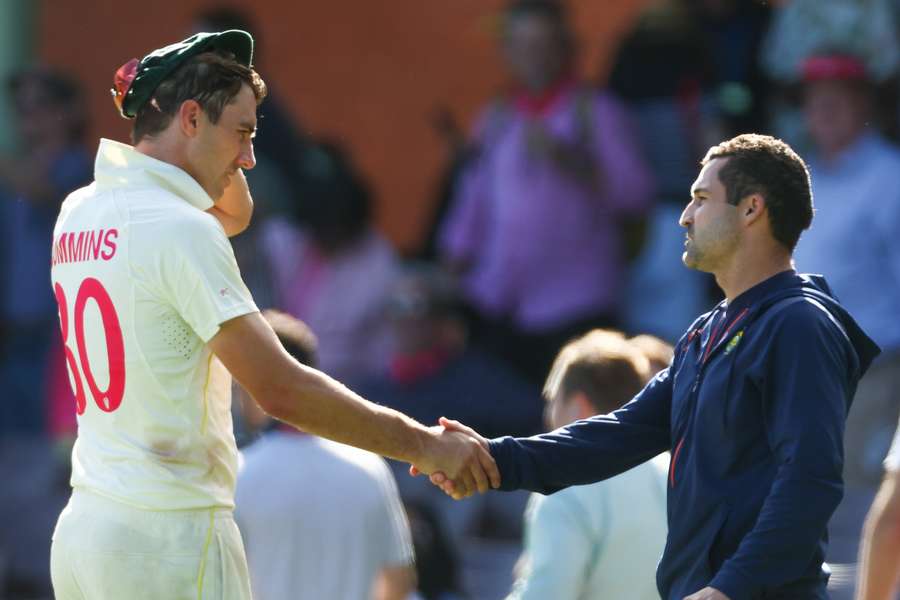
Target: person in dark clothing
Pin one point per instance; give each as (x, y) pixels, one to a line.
(752, 406)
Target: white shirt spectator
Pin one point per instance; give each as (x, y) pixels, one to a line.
(319, 519)
(602, 540)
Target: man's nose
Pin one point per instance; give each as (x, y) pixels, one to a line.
(247, 160)
(687, 217)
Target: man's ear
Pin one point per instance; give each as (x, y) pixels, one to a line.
(752, 208)
(189, 115)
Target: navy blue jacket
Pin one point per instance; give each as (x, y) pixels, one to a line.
(753, 409)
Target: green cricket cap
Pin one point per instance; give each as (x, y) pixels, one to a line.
(135, 81)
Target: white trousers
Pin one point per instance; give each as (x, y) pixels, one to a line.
(103, 549)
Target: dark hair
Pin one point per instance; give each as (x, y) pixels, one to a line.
(296, 337)
(59, 91)
(760, 164)
(603, 365)
(551, 11)
(212, 79)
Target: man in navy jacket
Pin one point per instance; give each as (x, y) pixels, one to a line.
(752, 406)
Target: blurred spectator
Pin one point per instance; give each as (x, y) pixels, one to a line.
(663, 70)
(331, 268)
(319, 519)
(879, 554)
(535, 228)
(436, 371)
(50, 162)
(855, 177)
(601, 540)
(804, 28)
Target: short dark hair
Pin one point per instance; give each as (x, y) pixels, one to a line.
(603, 365)
(213, 79)
(760, 164)
(295, 335)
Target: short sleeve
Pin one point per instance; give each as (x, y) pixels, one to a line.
(200, 276)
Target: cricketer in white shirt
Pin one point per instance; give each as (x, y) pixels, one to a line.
(144, 278)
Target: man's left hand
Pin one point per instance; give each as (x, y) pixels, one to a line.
(707, 593)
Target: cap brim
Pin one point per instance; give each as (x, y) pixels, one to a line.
(238, 42)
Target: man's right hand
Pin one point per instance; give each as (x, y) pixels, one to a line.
(461, 486)
(458, 461)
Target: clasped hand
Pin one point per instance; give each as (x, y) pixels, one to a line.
(459, 463)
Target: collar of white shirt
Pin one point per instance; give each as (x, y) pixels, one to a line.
(120, 165)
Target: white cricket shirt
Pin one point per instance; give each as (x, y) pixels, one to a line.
(144, 278)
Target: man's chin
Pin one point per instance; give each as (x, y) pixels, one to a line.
(690, 261)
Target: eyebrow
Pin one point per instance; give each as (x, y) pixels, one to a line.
(248, 125)
(699, 190)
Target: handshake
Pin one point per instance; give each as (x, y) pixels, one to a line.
(458, 461)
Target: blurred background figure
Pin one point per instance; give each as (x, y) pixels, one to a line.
(535, 228)
(601, 540)
(435, 370)
(50, 161)
(804, 28)
(855, 176)
(331, 267)
(319, 519)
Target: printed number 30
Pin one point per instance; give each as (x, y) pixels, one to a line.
(108, 400)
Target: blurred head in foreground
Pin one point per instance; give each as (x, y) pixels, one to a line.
(594, 374)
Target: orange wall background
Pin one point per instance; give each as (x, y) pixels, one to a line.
(368, 73)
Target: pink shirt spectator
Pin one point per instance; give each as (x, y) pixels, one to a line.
(545, 248)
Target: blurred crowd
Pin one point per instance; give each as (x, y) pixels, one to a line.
(556, 216)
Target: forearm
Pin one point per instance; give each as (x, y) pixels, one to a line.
(590, 450)
(318, 404)
(880, 549)
(235, 208)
